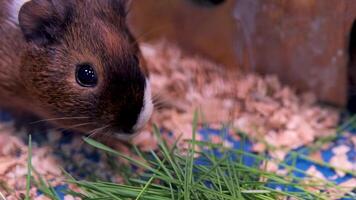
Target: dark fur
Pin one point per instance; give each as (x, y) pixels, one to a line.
(55, 36)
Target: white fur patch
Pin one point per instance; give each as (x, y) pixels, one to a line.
(144, 115)
(147, 108)
(14, 10)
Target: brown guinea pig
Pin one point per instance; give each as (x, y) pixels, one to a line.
(73, 62)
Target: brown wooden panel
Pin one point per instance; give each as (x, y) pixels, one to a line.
(209, 31)
(305, 42)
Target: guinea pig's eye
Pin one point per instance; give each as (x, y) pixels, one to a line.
(86, 75)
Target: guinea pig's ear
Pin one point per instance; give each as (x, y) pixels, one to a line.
(43, 21)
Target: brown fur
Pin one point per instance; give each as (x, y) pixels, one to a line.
(38, 60)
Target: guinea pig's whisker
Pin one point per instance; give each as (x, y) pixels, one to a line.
(159, 102)
(142, 35)
(73, 126)
(105, 135)
(128, 10)
(160, 107)
(69, 127)
(55, 119)
(95, 131)
(78, 125)
(150, 32)
(92, 133)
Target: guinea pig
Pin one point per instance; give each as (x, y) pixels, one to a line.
(75, 63)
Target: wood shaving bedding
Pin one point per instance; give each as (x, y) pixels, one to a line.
(13, 165)
(258, 105)
(272, 114)
(48, 159)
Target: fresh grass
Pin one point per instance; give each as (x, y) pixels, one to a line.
(204, 171)
(29, 168)
(40, 183)
(171, 175)
(46, 188)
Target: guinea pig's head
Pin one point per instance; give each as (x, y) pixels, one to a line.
(82, 67)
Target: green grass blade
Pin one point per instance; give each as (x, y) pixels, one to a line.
(29, 168)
